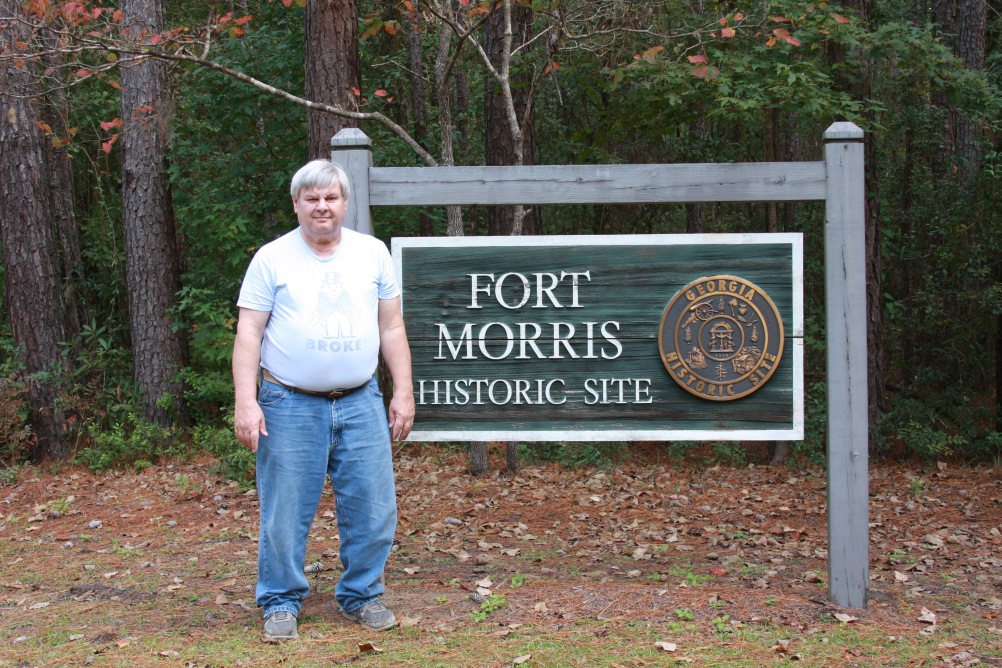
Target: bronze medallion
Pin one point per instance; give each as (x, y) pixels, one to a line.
(721, 338)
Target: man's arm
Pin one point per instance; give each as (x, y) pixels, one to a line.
(397, 353)
(248, 420)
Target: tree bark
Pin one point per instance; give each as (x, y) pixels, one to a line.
(861, 88)
(64, 217)
(31, 266)
(501, 143)
(332, 68)
(419, 98)
(151, 253)
(970, 50)
(945, 20)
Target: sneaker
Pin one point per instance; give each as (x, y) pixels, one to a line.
(373, 615)
(280, 625)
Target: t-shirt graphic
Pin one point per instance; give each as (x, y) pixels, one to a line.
(335, 312)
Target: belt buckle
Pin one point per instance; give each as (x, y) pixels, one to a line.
(336, 394)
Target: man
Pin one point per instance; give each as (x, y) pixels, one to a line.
(317, 306)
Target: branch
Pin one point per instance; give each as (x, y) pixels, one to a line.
(97, 43)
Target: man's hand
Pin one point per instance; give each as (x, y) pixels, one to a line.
(249, 424)
(401, 414)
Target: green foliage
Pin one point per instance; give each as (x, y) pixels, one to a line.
(598, 454)
(133, 443)
(940, 428)
(235, 462)
(684, 614)
(492, 603)
(93, 381)
(813, 447)
(691, 86)
(8, 476)
(15, 432)
(728, 453)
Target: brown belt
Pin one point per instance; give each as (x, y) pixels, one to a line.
(333, 394)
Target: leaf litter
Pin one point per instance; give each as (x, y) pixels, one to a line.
(550, 546)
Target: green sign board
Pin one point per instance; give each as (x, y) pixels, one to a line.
(641, 337)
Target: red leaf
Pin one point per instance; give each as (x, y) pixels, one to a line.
(653, 51)
(237, 32)
(727, 32)
(784, 34)
(357, 92)
(697, 59)
(287, 3)
(83, 73)
(739, 16)
(779, 19)
(44, 127)
(106, 146)
(381, 93)
(107, 125)
(464, 3)
(156, 39)
(840, 19)
(699, 71)
(723, 21)
(243, 19)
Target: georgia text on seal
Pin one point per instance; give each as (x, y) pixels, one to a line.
(721, 338)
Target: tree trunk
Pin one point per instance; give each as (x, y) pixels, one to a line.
(944, 18)
(31, 267)
(332, 68)
(151, 254)
(419, 98)
(501, 143)
(971, 50)
(480, 463)
(861, 88)
(64, 217)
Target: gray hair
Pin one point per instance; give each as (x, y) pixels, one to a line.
(319, 174)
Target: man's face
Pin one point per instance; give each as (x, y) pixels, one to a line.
(321, 212)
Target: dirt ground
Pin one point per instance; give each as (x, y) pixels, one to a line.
(641, 541)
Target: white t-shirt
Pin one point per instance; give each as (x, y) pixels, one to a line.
(323, 333)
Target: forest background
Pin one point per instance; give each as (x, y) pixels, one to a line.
(146, 148)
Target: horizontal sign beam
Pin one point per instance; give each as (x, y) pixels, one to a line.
(597, 184)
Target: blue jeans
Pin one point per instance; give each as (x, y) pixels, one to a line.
(311, 437)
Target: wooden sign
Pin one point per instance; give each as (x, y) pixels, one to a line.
(641, 337)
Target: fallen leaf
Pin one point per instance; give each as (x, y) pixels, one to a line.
(844, 618)
(666, 646)
(368, 648)
(927, 616)
(517, 661)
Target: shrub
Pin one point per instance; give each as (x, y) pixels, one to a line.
(235, 461)
(133, 442)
